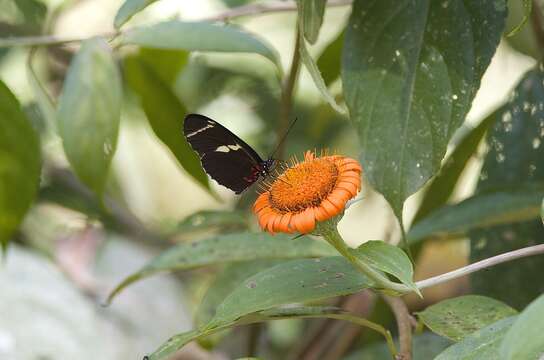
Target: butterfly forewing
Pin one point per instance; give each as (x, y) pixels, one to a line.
(225, 157)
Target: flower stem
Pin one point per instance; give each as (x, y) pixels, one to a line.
(333, 237)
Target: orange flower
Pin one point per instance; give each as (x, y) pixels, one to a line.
(315, 189)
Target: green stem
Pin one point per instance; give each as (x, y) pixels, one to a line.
(369, 324)
(334, 238)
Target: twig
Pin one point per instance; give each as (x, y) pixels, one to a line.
(402, 316)
(288, 88)
(495, 260)
(267, 7)
(247, 10)
(48, 39)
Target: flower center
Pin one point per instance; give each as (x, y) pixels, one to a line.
(303, 185)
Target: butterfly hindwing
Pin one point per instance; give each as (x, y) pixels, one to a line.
(225, 157)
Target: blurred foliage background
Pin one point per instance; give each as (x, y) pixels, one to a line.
(69, 252)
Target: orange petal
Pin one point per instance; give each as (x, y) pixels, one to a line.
(346, 166)
(329, 208)
(276, 223)
(337, 200)
(308, 220)
(342, 193)
(270, 224)
(347, 185)
(350, 173)
(320, 214)
(263, 219)
(283, 226)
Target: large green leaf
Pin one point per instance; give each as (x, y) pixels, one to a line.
(498, 206)
(89, 112)
(226, 281)
(128, 10)
(228, 248)
(19, 164)
(458, 317)
(296, 281)
(410, 70)
(442, 186)
(524, 340)
(310, 17)
(201, 36)
(166, 63)
(165, 114)
(481, 345)
(390, 259)
(514, 160)
(176, 342)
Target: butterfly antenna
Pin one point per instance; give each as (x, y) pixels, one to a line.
(283, 138)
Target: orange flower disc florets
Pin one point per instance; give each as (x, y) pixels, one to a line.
(315, 189)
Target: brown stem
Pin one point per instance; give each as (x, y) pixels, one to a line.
(403, 318)
(288, 88)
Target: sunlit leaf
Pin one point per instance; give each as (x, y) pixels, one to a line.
(201, 36)
(228, 248)
(89, 112)
(128, 10)
(514, 160)
(409, 73)
(390, 259)
(481, 345)
(19, 164)
(458, 317)
(310, 17)
(499, 206)
(442, 186)
(166, 63)
(524, 340)
(165, 113)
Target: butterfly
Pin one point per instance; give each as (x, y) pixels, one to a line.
(224, 156)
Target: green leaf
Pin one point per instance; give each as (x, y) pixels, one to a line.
(442, 186)
(226, 281)
(166, 63)
(542, 211)
(165, 114)
(330, 60)
(310, 64)
(482, 345)
(45, 104)
(228, 248)
(498, 206)
(296, 281)
(390, 259)
(310, 18)
(410, 70)
(128, 10)
(178, 341)
(199, 36)
(459, 317)
(207, 219)
(425, 346)
(524, 340)
(514, 160)
(19, 164)
(89, 112)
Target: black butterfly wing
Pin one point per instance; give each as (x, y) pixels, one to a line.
(225, 157)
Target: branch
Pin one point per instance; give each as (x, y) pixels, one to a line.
(495, 260)
(288, 88)
(267, 7)
(247, 10)
(404, 325)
